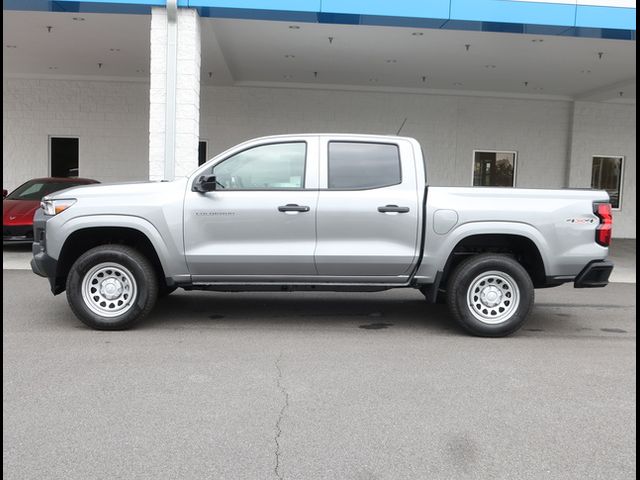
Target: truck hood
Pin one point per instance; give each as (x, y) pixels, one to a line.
(118, 190)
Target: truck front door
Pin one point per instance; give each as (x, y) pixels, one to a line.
(260, 220)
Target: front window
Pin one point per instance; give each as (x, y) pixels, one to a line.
(606, 174)
(494, 169)
(266, 167)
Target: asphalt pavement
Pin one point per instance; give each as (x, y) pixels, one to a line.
(318, 386)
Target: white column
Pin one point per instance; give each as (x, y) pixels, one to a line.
(183, 135)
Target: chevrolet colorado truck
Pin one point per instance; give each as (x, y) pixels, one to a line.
(319, 212)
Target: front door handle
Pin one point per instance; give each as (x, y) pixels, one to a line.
(293, 207)
(393, 209)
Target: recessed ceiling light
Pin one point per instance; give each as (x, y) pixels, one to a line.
(12, 46)
(538, 89)
(78, 19)
(287, 77)
(457, 84)
(391, 60)
(537, 40)
(53, 68)
(417, 34)
(294, 27)
(114, 49)
(289, 56)
(585, 71)
(489, 66)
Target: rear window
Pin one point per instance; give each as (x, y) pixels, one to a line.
(363, 165)
(37, 190)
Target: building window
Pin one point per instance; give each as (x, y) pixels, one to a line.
(494, 169)
(606, 174)
(202, 152)
(63, 156)
(363, 165)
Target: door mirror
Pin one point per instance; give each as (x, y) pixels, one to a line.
(4, 193)
(206, 183)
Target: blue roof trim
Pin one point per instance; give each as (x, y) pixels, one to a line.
(538, 18)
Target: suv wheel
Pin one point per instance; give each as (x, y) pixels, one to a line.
(490, 295)
(111, 286)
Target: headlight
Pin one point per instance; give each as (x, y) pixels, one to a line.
(54, 207)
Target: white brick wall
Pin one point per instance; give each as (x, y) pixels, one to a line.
(448, 127)
(111, 119)
(607, 129)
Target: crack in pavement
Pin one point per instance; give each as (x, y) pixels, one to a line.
(280, 417)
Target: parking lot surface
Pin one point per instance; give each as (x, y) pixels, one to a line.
(318, 386)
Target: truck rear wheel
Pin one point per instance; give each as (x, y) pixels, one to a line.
(111, 286)
(490, 295)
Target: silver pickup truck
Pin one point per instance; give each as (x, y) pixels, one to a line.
(319, 212)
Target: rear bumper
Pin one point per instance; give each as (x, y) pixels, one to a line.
(594, 275)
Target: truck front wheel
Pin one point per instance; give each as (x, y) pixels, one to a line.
(490, 295)
(111, 286)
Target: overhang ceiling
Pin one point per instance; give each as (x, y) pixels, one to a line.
(258, 52)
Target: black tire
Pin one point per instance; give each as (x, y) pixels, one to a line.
(127, 266)
(490, 295)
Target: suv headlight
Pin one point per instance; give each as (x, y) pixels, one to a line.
(54, 207)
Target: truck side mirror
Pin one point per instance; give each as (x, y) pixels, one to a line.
(206, 183)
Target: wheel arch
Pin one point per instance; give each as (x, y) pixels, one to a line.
(83, 239)
(521, 247)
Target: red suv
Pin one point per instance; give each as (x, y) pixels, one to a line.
(19, 206)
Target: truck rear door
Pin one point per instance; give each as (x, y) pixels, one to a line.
(368, 209)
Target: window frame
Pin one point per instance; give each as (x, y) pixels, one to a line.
(482, 150)
(355, 189)
(622, 162)
(49, 165)
(204, 167)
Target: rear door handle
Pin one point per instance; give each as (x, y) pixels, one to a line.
(293, 207)
(393, 209)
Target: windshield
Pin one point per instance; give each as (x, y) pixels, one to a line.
(35, 190)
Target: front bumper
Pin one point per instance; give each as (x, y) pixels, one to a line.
(42, 264)
(594, 275)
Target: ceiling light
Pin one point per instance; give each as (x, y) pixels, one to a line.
(289, 56)
(12, 46)
(539, 89)
(457, 84)
(489, 66)
(53, 68)
(585, 71)
(537, 40)
(294, 27)
(417, 34)
(78, 19)
(287, 77)
(114, 49)
(391, 60)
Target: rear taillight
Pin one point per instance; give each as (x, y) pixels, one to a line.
(603, 231)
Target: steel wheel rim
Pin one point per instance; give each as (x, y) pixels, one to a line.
(493, 297)
(109, 290)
